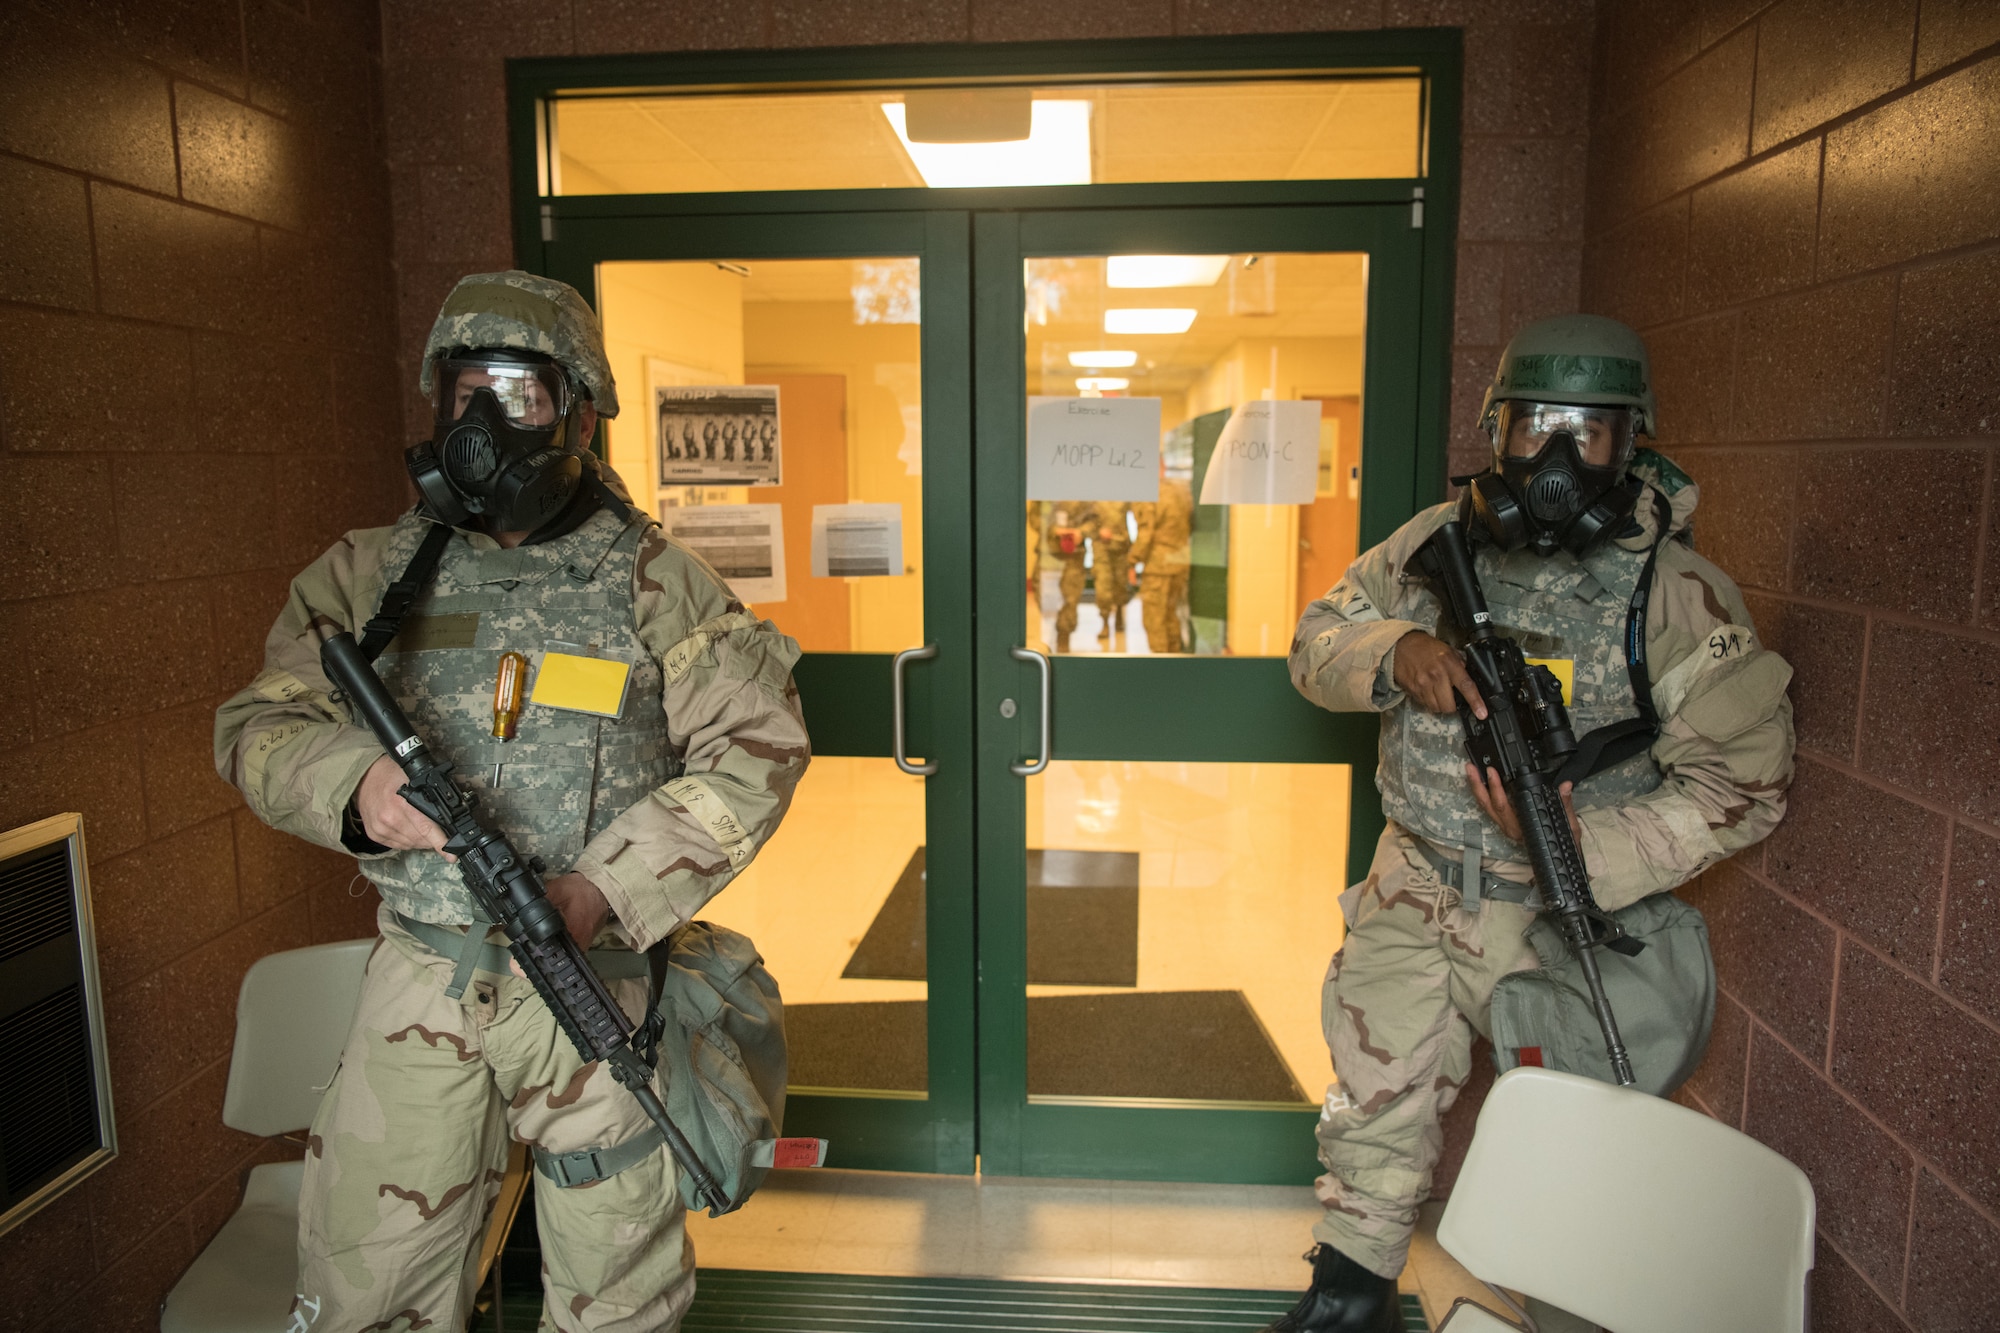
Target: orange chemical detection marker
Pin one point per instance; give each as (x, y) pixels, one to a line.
(507, 694)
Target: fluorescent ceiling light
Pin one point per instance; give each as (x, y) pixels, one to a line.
(1102, 383)
(1164, 270)
(1169, 320)
(1056, 151)
(1107, 360)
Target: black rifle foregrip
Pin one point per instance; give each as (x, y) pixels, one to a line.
(1552, 849)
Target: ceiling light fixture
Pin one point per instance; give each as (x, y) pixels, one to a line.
(1169, 320)
(1102, 383)
(1106, 360)
(1056, 151)
(1164, 270)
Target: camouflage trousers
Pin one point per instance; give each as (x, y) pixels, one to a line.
(409, 1147)
(1072, 594)
(1112, 589)
(1161, 597)
(1411, 985)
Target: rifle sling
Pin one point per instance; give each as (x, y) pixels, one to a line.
(397, 599)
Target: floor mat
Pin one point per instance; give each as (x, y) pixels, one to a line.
(838, 1303)
(1204, 1045)
(1083, 922)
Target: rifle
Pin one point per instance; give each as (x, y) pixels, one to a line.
(508, 891)
(1526, 737)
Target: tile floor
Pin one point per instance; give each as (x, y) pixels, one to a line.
(883, 1223)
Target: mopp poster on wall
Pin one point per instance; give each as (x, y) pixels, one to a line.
(1268, 454)
(719, 435)
(1093, 448)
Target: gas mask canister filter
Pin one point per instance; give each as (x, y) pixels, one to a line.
(1543, 492)
(498, 447)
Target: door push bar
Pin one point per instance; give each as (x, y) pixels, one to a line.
(1042, 760)
(923, 654)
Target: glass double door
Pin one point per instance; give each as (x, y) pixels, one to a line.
(1041, 494)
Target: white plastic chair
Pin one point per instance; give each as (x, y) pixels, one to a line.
(1629, 1211)
(292, 1016)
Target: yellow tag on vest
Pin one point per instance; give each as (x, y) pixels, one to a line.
(582, 684)
(1564, 669)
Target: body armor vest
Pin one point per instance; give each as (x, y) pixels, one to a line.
(1555, 607)
(566, 775)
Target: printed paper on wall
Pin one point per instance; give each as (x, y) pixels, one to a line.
(857, 540)
(719, 435)
(744, 543)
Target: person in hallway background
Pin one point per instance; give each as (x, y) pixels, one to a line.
(1069, 532)
(1413, 982)
(1111, 540)
(1160, 552)
(642, 806)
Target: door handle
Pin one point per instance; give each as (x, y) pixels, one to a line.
(1042, 761)
(922, 654)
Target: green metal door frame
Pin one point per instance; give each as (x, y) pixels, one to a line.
(977, 1106)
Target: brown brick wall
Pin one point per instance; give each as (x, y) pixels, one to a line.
(196, 397)
(1794, 202)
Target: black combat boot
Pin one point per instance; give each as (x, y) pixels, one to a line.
(1345, 1298)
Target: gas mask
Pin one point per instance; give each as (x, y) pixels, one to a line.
(504, 423)
(1558, 478)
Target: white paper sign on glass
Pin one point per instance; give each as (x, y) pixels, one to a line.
(857, 540)
(1093, 448)
(1268, 454)
(745, 544)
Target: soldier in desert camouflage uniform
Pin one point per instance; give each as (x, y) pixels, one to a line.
(1413, 983)
(1161, 552)
(1110, 543)
(1068, 532)
(640, 817)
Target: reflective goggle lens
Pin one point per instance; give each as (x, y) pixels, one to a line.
(1603, 434)
(530, 395)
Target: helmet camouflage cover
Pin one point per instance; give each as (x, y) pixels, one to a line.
(528, 313)
(1587, 360)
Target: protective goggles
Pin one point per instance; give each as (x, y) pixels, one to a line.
(531, 394)
(1603, 435)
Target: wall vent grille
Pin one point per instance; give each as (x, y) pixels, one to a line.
(48, 1120)
(56, 1125)
(35, 901)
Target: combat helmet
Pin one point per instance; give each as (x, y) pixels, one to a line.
(1562, 412)
(528, 313)
(1584, 359)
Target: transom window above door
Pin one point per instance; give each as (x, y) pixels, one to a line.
(1334, 128)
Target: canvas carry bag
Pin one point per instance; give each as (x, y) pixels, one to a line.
(722, 1055)
(1664, 999)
